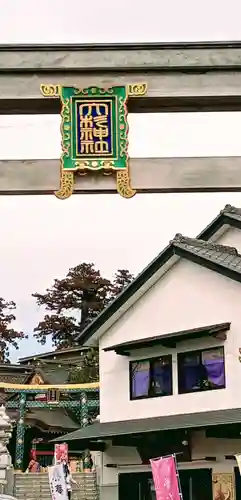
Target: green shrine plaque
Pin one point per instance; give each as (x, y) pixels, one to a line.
(94, 132)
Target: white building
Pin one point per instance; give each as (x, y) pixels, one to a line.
(170, 371)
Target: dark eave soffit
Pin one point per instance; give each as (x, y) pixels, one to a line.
(170, 340)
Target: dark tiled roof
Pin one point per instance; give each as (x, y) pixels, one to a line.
(52, 354)
(51, 374)
(14, 374)
(13, 378)
(171, 339)
(222, 259)
(13, 367)
(228, 216)
(231, 211)
(224, 256)
(21, 374)
(54, 419)
(56, 376)
(3, 397)
(142, 425)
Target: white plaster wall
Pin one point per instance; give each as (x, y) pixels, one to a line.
(232, 237)
(187, 296)
(119, 456)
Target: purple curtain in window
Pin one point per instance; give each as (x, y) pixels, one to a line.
(215, 371)
(192, 376)
(140, 382)
(163, 378)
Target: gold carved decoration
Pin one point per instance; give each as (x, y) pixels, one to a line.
(36, 380)
(223, 486)
(66, 184)
(50, 90)
(137, 89)
(123, 184)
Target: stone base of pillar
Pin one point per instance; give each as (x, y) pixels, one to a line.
(6, 469)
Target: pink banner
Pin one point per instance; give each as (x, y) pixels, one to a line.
(165, 478)
(60, 453)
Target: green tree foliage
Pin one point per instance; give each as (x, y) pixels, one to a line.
(122, 278)
(74, 301)
(88, 369)
(8, 335)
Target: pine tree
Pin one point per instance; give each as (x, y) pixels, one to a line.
(8, 335)
(74, 301)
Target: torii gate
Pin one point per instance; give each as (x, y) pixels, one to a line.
(179, 77)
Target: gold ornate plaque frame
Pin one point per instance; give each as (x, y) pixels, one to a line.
(118, 161)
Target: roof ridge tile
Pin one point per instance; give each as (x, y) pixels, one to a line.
(180, 239)
(231, 209)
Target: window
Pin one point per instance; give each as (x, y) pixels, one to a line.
(201, 370)
(151, 377)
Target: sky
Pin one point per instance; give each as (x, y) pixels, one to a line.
(42, 237)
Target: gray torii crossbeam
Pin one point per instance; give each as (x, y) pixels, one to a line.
(179, 77)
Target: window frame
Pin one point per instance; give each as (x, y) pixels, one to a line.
(199, 352)
(151, 360)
